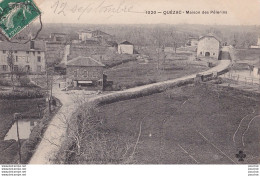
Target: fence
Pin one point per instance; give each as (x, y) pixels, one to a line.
(248, 80)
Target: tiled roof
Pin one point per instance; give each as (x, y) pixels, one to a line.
(126, 43)
(210, 35)
(38, 46)
(111, 43)
(57, 33)
(85, 31)
(85, 61)
(99, 33)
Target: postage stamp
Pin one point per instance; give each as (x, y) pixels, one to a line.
(15, 15)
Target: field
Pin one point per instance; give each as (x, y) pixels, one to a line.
(192, 124)
(145, 71)
(28, 108)
(245, 57)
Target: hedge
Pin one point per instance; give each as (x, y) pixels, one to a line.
(30, 145)
(29, 94)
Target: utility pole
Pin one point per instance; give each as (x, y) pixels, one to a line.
(16, 118)
(47, 89)
(259, 73)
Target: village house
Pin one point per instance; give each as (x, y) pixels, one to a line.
(208, 46)
(125, 48)
(58, 37)
(96, 35)
(85, 72)
(29, 57)
(257, 45)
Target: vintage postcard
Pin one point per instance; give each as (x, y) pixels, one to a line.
(130, 82)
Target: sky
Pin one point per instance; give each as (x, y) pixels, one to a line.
(234, 12)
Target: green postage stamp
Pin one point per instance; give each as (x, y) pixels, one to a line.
(16, 15)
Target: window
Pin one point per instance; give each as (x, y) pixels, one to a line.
(4, 51)
(213, 54)
(75, 73)
(27, 59)
(95, 74)
(39, 58)
(39, 52)
(15, 51)
(16, 58)
(27, 68)
(4, 67)
(200, 52)
(34, 53)
(39, 68)
(16, 68)
(85, 74)
(27, 52)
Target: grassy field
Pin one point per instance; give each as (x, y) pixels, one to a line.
(28, 108)
(188, 125)
(142, 72)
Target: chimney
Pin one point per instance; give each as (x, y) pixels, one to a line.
(32, 44)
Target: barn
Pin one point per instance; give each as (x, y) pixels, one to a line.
(208, 46)
(85, 72)
(126, 48)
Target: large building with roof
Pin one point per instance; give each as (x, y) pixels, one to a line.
(85, 72)
(208, 46)
(29, 57)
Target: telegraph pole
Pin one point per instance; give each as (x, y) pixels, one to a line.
(16, 117)
(258, 71)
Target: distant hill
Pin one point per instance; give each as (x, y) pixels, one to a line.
(148, 34)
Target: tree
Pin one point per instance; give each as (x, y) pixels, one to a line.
(49, 86)
(10, 62)
(157, 35)
(174, 39)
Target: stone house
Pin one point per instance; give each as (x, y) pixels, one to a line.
(208, 46)
(125, 48)
(29, 57)
(85, 72)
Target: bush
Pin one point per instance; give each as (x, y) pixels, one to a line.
(24, 81)
(29, 94)
(4, 82)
